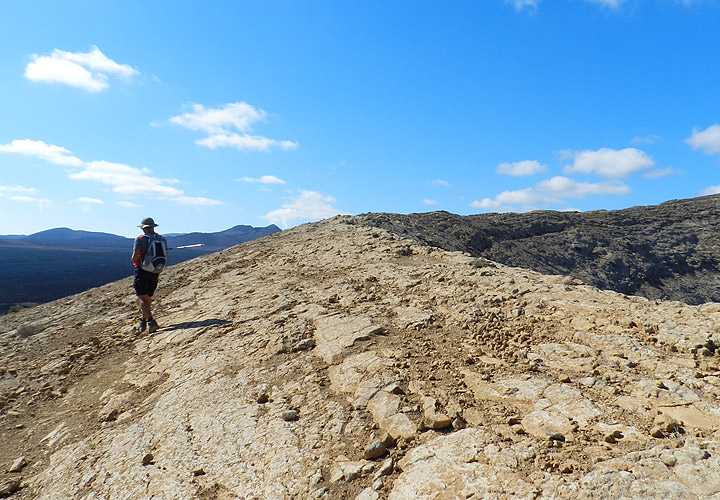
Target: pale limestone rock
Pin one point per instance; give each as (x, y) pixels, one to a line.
(333, 334)
(18, 464)
(572, 363)
(368, 494)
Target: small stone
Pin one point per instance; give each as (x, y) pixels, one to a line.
(437, 421)
(198, 472)
(290, 415)
(394, 389)
(664, 426)
(368, 468)
(388, 440)
(305, 345)
(18, 465)
(317, 478)
(10, 487)
(458, 423)
(148, 459)
(385, 469)
(336, 475)
(514, 421)
(375, 450)
(109, 415)
(668, 459)
(554, 435)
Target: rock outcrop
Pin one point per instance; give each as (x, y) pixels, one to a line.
(337, 360)
(669, 251)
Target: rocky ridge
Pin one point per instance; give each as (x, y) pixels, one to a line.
(337, 360)
(669, 251)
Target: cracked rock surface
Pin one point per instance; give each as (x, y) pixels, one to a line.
(338, 360)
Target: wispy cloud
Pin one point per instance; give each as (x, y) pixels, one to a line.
(440, 182)
(42, 203)
(5, 190)
(309, 205)
(524, 4)
(549, 192)
(124, 179)
(430, 202)
(612, 4)
(265, 179)
(648, 139)
(52, 154)
(708, 140)
(196, 200)
(128, 204)
(86, 70)
(229, 126)
(607, 162)
(88, 201)
(521, 168)
(661, 172)
(710, 190)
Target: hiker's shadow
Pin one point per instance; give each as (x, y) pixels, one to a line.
(197, 324)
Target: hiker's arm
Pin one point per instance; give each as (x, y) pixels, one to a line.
(136, 256)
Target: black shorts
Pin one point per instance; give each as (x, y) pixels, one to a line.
(145, 282)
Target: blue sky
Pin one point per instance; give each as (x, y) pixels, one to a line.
(205, 115)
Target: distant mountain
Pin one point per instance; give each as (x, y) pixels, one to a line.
(69, 238)
(51, 264)
(223, 239)
(65, 238)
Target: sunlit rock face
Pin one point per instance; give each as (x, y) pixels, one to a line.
(339, 360)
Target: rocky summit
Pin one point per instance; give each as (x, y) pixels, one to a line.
(339, 360)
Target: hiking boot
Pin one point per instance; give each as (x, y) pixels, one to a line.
(142, 326)
(152, 326)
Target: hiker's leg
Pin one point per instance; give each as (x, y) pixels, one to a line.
(145, 303)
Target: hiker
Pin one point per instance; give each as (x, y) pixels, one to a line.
(149, 256)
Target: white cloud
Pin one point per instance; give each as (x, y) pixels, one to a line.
(430, 202)
(265, 179)
(124, 179)
(533, 4)
(88, 201)
(661, 172)
(128, 204)
(440, 182)
(613, 4)
(4, 190)
(189, 200)
(710, 190)
(229, 126)
(41, 203)
(608, 162)
(238, 115)
(708, 140)
(38, 149)
(521, 4)
(86, 70)
(310, 205)
(648, 139)
(521, 168)
(244, 142)
(549, 192)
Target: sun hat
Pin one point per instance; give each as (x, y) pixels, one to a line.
(147, 222)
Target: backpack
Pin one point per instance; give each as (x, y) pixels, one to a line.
(155, 257)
